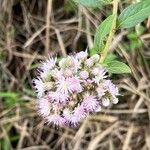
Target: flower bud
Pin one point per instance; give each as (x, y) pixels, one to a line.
(66, 62)
(95, 58)
(115, 100)
(68, 72)
(84, 74)
(105, 102)
(89, 62)
(82, 55)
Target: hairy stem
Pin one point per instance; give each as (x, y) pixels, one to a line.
(112, 31)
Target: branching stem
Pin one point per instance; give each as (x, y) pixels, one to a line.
(112, 31)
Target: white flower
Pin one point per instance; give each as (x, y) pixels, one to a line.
(63, 86)
(105, 102)
(44, 107)
(89, 62)
(68, 91)
(115, 100)
(39, 87)
(59, 97)
(48, 64)
(101, 91)
(82, 55)
(95, 58)
(112, 89)
(84, 74)
(98, 109)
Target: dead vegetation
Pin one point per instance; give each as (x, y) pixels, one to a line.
(29, 30)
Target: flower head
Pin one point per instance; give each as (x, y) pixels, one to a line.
(70, 89)
(90, 102)
(82, 55)
(84, 74)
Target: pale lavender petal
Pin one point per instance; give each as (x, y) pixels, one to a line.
(56, 120)
(39, 87)
(111, 87)
(44, 107)
(105, 102)
(63, 86)
(90, 103)
(84, 74)
(82, 55)
(74, 84)
(59, 97)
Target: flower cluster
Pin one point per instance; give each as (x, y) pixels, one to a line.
(70, 89)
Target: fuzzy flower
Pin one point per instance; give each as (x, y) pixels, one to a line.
(44, 107)
(105, 102)
(113, 90)
(90, 103)
(78, 115)
(63, 86)
(70, 89)
(74, 84)
(84, 74)
(82, 55)
(46, 66)
(59, 97)
(56, 120)
(39, 86)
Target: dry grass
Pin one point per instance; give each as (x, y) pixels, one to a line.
(29, 29)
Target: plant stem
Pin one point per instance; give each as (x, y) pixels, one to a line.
(112, 31)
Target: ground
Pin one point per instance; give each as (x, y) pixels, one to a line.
(32, 29)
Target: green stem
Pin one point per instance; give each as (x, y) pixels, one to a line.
(112, 31)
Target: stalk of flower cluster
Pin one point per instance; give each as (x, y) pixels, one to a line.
(112, 31)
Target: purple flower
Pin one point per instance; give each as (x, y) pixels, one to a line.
(101, 90)
(74, 84)
(70, 89)
(44, 107)
(56, 120)
(63, 86)
(68, 73)
(82, 55)
(59, 97)
(105, 102)
(78, 114)
(111, 88)
(90, 103)
(99, 70)
(47, 65)
(57, 74)
(115, 100)
(84, 74)
(39, 86)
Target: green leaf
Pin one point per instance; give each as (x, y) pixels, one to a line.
(92, 3)
(101, 33)
(134, 14)
(109, 58)
(69, 6)
(117, 67)
(5, 144)
(93, 51)
(8, 95)
(10, 98)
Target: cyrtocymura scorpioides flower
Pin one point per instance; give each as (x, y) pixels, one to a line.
(70, 89)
